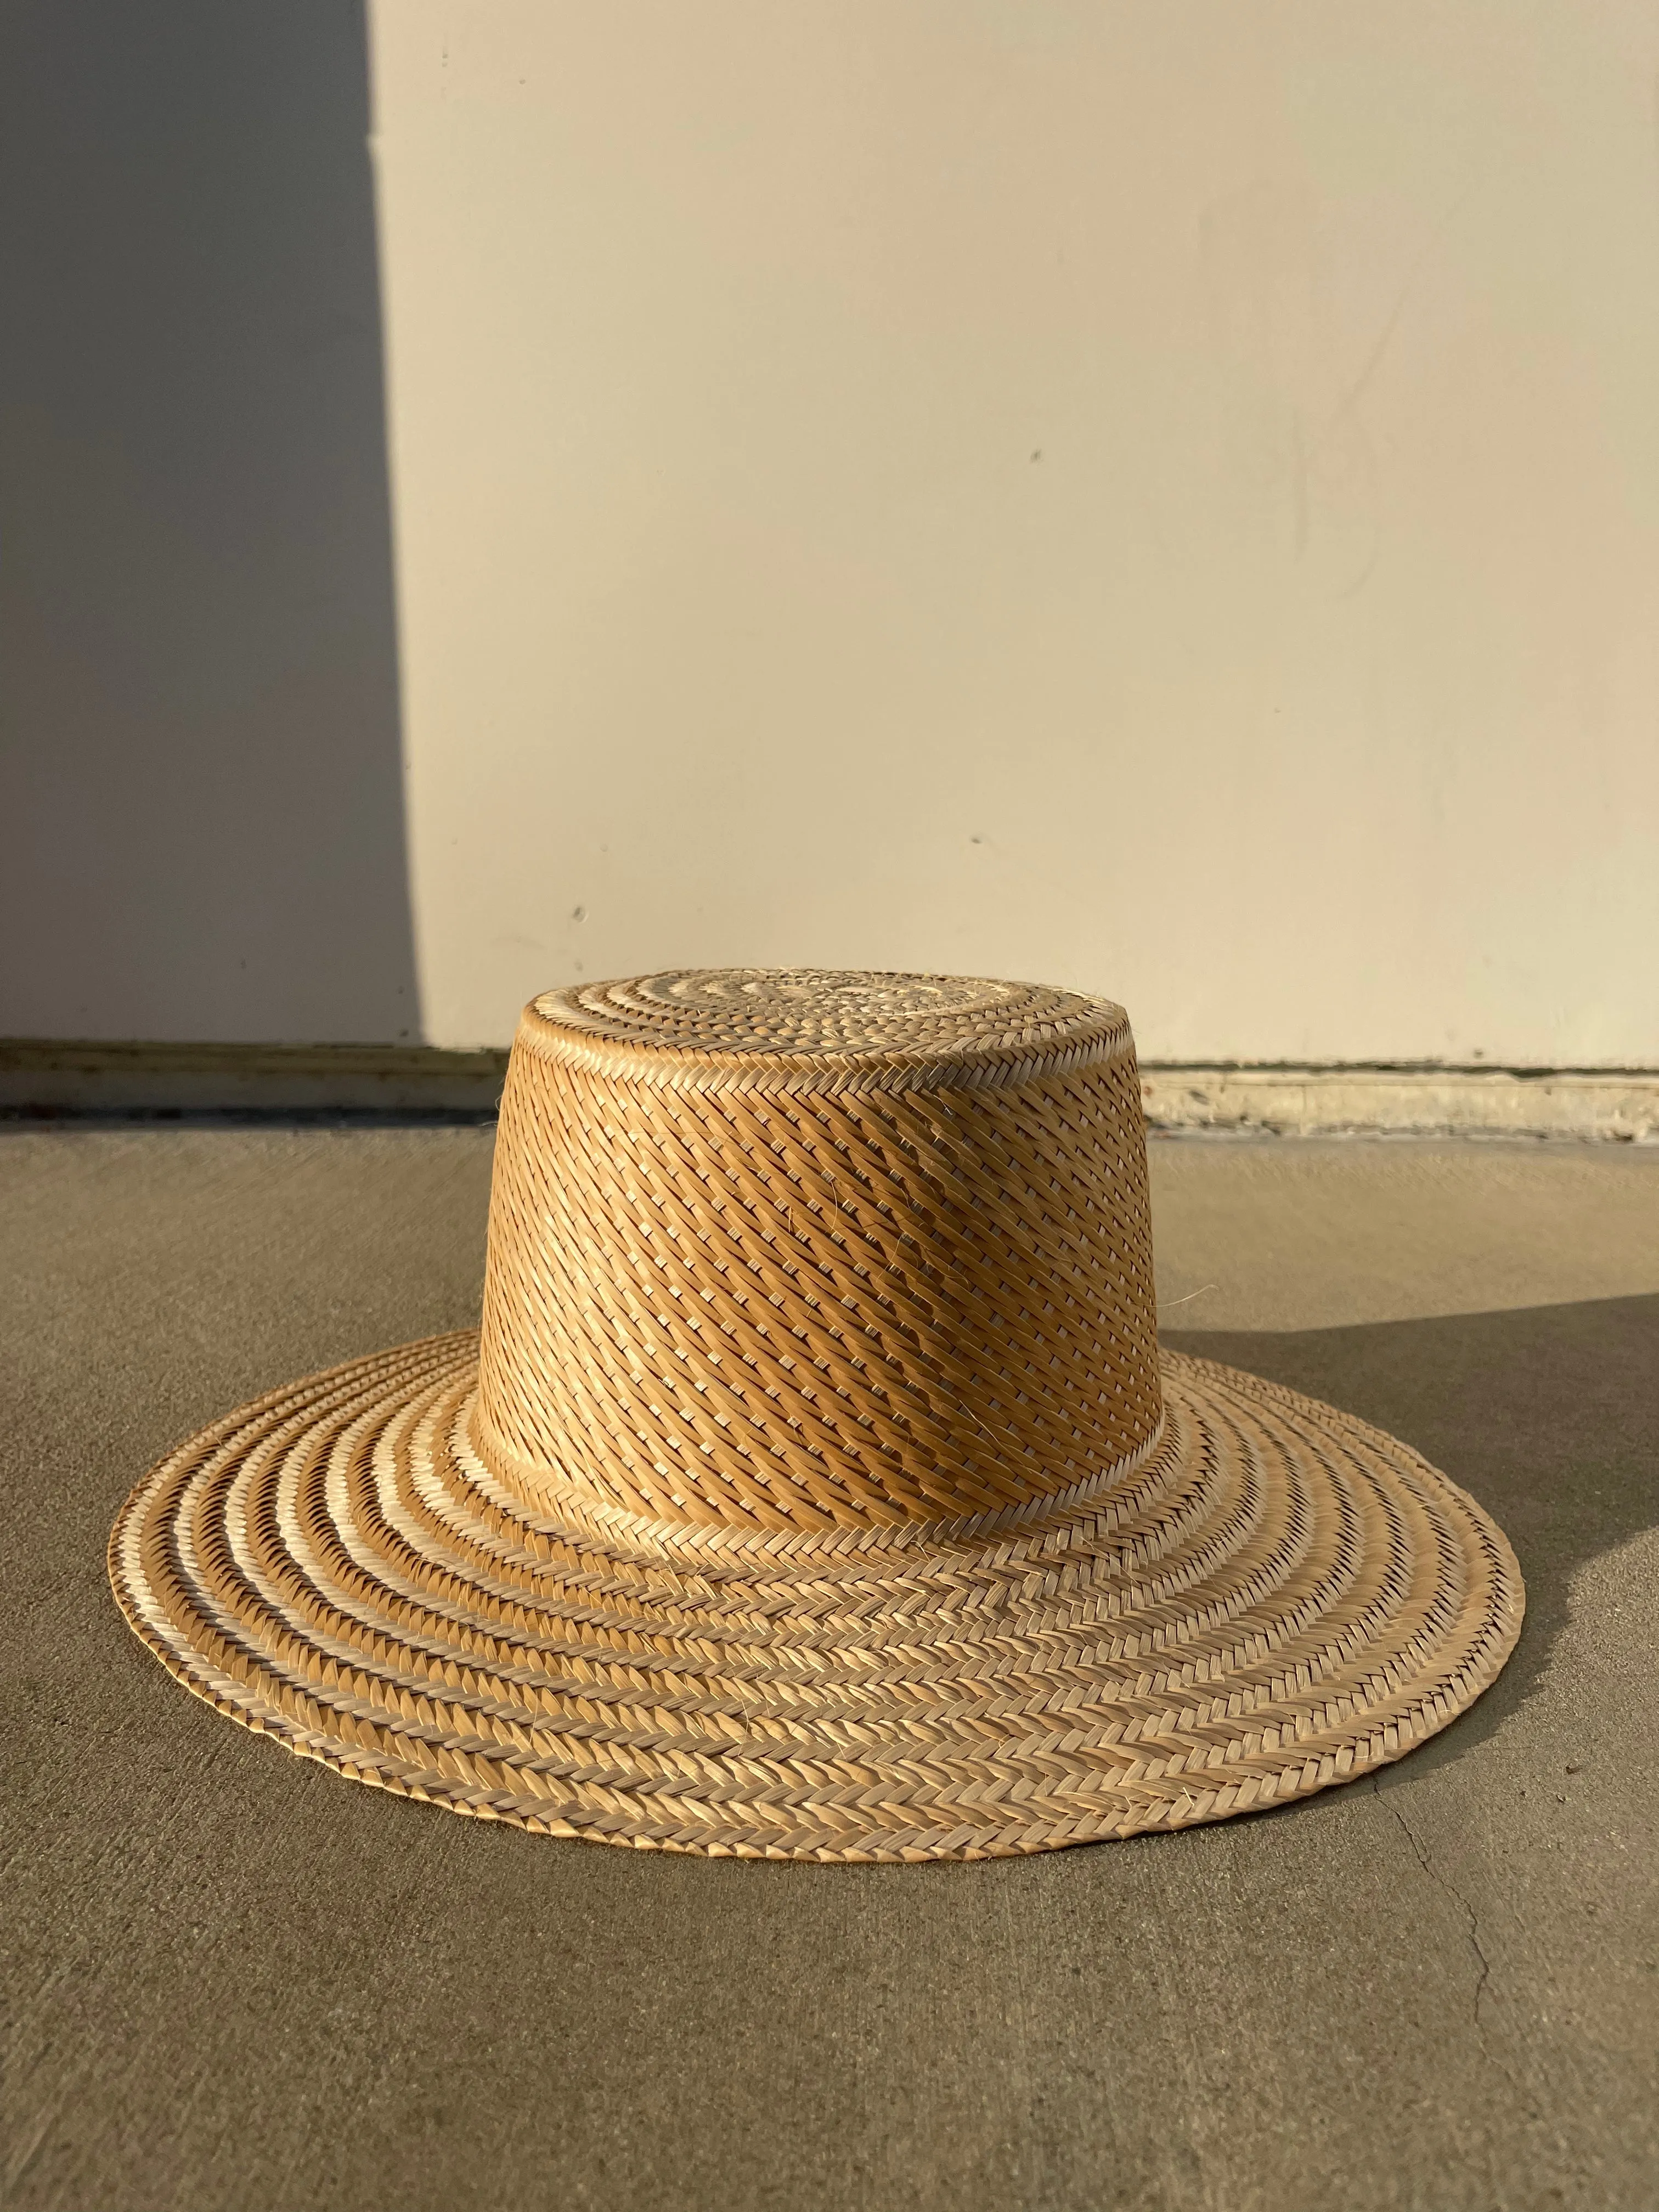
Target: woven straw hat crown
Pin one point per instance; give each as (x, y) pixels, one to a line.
(787, 1254)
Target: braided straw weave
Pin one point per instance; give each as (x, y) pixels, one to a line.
(816, 1488)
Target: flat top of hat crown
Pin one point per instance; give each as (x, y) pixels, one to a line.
(758, 1023)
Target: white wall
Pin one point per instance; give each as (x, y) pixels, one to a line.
(1158, 498)
(1302, 694)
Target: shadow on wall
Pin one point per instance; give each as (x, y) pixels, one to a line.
(1545, 1415)
(204, 820)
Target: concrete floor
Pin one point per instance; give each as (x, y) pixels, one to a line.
(237, 1981)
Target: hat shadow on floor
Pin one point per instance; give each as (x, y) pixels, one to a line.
(1545, 1414)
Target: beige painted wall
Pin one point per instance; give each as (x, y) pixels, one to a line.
(1164, 498)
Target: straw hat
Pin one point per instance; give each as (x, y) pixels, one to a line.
(816, 1488)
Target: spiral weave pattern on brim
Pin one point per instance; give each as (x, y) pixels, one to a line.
(1276, 1598)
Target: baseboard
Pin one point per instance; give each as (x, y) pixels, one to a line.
(1621, 1103)
(45, 1078)
(50, 1078)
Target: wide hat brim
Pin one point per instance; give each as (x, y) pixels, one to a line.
(1279, 1597)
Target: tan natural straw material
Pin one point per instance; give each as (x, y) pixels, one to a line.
(816, 1488)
